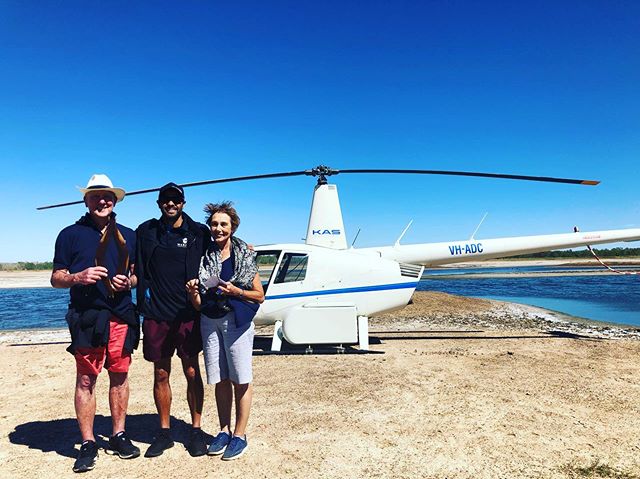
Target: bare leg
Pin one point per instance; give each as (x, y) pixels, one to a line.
(244, 395)
(85, 404)
(195, 389)
(162, 390)
(224, 400)
(118, 400)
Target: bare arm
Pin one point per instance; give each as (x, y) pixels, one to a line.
(61, 278)
(133, 279)
(121, 282)
(194, 293)
(256, 294)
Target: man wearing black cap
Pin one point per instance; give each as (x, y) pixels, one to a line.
(168, 254)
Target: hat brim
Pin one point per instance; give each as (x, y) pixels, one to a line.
(118, 192)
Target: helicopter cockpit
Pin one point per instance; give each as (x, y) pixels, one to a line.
(292, 267)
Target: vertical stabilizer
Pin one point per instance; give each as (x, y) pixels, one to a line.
(325, 221)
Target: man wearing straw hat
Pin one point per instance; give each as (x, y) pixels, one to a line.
(92, 260)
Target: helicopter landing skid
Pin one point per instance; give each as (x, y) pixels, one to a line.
(362, 325)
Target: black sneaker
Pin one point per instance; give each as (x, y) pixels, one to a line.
(160, 443)
(196, 445)
(120, 445)
(87, 457)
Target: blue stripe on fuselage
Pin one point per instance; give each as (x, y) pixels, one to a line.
(360, 289)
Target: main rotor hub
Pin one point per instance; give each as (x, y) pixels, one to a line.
(321, 171)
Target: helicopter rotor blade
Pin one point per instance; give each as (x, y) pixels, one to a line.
(224, 180)
(548, 179)
(195, 183)
(323, 171)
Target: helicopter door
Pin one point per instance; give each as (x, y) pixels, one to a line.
(293, 268)
(267, 261)
(287, 284)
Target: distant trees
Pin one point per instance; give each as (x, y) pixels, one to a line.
(267, 259)
(602, 253)
(26, 266)
(272, 259)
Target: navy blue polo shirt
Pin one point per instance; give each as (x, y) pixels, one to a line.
(167, 298)
(75, 251)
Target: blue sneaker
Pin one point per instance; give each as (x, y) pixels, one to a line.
(235, 449)
(219, 444)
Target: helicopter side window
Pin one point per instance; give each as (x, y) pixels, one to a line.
(267, 261)
(293, 268)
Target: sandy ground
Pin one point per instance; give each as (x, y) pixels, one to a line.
(454, 388)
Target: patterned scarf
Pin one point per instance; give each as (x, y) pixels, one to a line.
(244, 265)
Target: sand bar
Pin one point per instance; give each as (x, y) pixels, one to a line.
(25, 279)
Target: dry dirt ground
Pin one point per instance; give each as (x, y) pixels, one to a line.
(453, 388)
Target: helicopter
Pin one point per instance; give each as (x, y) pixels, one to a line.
(324, 292)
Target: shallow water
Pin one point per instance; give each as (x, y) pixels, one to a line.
(609, 298)
(30, 308)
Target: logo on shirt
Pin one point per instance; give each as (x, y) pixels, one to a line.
(182, 244)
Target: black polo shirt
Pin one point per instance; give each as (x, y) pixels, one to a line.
(166, 297)
(75, 251)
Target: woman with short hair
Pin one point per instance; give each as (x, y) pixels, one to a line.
(228, 293)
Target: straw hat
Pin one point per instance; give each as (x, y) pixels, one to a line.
(100, 182)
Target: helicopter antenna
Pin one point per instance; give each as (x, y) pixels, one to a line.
(402, 234)
(356, 237)
(478, 227)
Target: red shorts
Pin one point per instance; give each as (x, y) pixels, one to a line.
(161, 339)
(113, 356)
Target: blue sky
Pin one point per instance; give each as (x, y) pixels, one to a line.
(150, 92)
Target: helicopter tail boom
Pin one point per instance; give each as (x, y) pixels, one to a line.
(434, 254)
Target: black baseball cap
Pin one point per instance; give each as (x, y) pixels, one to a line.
(169, 187)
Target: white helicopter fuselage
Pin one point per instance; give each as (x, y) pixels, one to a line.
(381, 279)
(318, 292)
(308, 276)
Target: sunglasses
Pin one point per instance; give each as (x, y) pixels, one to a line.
(175, 199)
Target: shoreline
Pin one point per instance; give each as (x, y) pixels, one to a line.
(536, 317)
(25, 279)
(428, 309)
(40, 279)
(436, 308)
